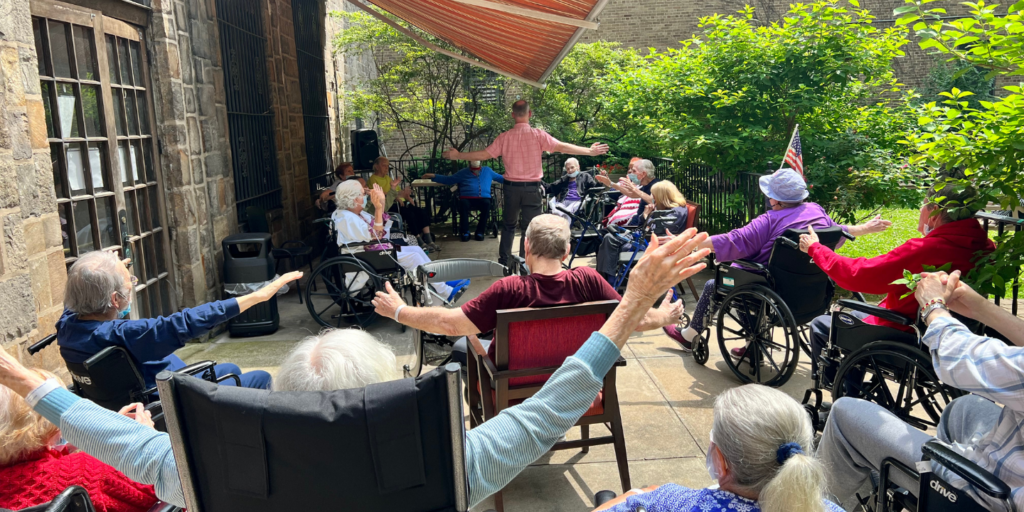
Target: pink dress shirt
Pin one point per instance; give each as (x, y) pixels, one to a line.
(521, 148)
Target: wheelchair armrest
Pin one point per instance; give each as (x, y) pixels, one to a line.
(325, 220)
(570, 214)
(300, 243)
(41, 344)
(981, 479)
(163, 507)
(593, 191)
(480, 352)
(236, 378)
(196, 368)
(880, 312)
(748, 265)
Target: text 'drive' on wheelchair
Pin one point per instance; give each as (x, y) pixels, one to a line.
(884, 365)
(341, 288)
(762, 312)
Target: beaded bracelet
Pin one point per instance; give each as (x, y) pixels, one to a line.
(938, 300)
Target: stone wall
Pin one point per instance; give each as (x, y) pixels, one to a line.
(32, 274)
(188, 84)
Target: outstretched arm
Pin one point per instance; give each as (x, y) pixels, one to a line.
(450, 322)
(875, 225)
(596, 149)
(454, 154)
(667, 313)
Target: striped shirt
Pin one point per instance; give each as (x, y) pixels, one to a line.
(496, 451)
(521, 149)
(989, 368)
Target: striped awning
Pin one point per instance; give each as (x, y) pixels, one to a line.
(522, 39)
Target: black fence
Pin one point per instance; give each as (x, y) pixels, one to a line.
(412, 169)
(726, 203)
(1002, 222)
(308, 17)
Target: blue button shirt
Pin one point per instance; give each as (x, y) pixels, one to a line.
(470, 184)
(148, 340)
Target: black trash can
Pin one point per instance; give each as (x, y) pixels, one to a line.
(247, 259)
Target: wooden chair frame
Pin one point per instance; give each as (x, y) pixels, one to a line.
(485, 376)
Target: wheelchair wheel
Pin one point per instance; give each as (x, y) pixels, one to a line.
(898, 377)
(344, 288)
(756, 324)
(701, 351)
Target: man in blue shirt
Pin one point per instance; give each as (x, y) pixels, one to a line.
(97, 301)
(474, 193)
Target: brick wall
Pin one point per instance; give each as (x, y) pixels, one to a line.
(32, 274)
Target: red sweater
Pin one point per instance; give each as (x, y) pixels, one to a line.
(45, 474)
(957, 242)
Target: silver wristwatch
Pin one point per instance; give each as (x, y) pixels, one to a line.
(930, 309)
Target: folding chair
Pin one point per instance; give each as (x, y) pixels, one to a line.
(396, 446)
(529, 345)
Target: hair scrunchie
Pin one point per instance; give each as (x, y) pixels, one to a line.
(786, 451)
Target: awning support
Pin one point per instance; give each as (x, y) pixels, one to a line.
(598, 7)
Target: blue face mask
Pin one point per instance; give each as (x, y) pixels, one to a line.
(127, 311)
(366, 200)
(634, 178)
(574, 174)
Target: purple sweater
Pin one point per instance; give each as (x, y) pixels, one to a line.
(754, 241)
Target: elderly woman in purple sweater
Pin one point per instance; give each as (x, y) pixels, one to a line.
(786, 190)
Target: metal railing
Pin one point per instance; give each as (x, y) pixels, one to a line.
(726, 202)
(1002, 222)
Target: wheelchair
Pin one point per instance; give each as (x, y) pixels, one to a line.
(884, 365)
(111, 379)
(340, 290)
(585, 223)
(762, 312)
(934, 493)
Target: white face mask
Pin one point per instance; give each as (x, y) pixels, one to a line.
(366, 200)
(709, 460)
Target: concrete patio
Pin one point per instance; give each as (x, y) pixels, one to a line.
(666, 400)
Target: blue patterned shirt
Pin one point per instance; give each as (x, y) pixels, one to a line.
(676, 498)
(989, 368)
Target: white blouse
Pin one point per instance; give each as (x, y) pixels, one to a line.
(356, 228)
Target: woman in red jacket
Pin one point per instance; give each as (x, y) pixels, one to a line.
(947, 239)
(34, 470)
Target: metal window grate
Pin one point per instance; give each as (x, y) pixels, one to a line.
(308, 17)
(243, 45)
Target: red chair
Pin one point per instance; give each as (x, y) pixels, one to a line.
(529, 345)
(692, 220)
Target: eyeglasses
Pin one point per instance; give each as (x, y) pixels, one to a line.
(135, 280)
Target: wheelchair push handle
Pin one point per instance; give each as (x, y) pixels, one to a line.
(848, 236)
(570, 214)
(34, 348)
(981, 479)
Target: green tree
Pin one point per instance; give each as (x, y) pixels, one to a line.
(984, 145)
(731, 97)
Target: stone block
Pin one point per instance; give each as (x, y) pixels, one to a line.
(216, 165)
(213, 134)
(185, 58)
(52, 231)
(9, 189)
(181, 208)
(15, 22)
(15, 255)
(29, 70)
(162, 27)
(197, 171)
(181, 15)
(204, 44)
(58, 275)
(199, 282)
(28, 191)
(190, 100)
(221, 230)
(17, 123)
(195, 142)
(210, 269)
(43, 166)
(168, 61)
(207, 100)
(40, 273)
(10, 71)
(174, 164)
(36, 124)
(17, 308)
(35, 237)
(202, 211)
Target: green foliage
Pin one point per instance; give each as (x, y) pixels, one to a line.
(416, 93)
(731, 97)
(945, 76)
(911, 280)
(984, 144)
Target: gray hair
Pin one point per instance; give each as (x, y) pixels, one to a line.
(573, 162)
(336, 359)
(646, 167)
(520, 108)
(548, 236)
(751, 424)
(347, 193)
(92, 279)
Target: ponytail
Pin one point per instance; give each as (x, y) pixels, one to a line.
(799, 484)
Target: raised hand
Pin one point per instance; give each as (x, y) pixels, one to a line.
(877, 225)
(377, 196)
(806, 241)
(598, 148)
(628, 189)
(665, 265)
(648, 210)
(604, 179)
(670, 311)
(386, 303)
(138, 412)
(395, 183)
(451, 154)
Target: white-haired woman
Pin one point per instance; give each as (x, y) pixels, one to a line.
(336, 359)
(35, 468)
(760, 454)
(354, 225)
(568, 191)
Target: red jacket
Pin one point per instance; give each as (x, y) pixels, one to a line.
(45, 474)
(957, 242)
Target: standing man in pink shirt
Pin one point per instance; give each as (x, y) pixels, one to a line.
(522, 148)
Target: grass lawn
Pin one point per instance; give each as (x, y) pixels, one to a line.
(904, 227)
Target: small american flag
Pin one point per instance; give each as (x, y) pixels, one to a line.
(794, 154)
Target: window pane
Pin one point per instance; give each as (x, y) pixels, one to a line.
(154, 301)
(136, 64)
(65, 227)
(129, 202)
(83, 227)
(37, 31)
(91, 108)
(141, 271)
(59, 49)
(131, 112)
(122, 156)
(66, 106)
(142, 302)
(118, 111)
(150, 256)
(76, 169)
(147, 158)
(154, 206)
(48, 107)
(115, 77)
(58, 183)
(136, 160)
(108, 228)
(126, 66)
(98, 167)
(143, 113)
(165, 297)
(161, 258)
(84, 52)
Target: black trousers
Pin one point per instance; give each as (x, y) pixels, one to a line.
(522, 203)
(608, 254)
(466, 205)
(415, 218)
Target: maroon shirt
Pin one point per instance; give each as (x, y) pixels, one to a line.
(581, 284)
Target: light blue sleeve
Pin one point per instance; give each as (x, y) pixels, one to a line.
(500, 178)
(502, 447)
(141, 453)
(447, 180)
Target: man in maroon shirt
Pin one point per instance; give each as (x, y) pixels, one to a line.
(547, 245)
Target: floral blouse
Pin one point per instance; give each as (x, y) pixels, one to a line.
(676, 498)
(357, 228)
